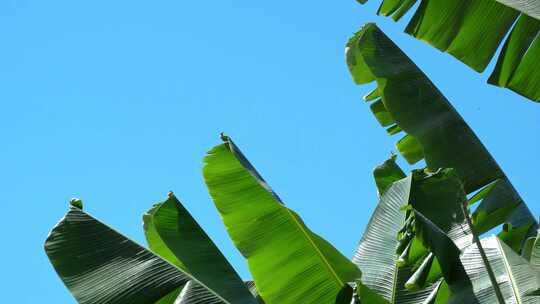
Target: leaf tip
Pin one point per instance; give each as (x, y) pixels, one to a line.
(224, 137)
(76, 202)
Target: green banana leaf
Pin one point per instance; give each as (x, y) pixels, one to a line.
(438, 196)
(171, 297)
(99, 265)
(529, 7)
(473, 30)
(386, 174)
(376, 253)
(534, 255)
(194, 293)
(516, 277)
(170, 229)
(435, 131)
(289, 263)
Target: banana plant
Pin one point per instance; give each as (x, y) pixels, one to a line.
(420, 246)
(405, 100)
(99, 265)
(394, 251)
(473, 30)
(415, 249)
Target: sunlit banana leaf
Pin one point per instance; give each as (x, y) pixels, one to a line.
(99, 265)
(289, 263)
(472, 31)
(376, 253)
(516, 277)
(170, 229)
(435, 131)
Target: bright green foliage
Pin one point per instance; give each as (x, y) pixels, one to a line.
(289, 263)
(472, 31)
(171, 229)
(420, 246)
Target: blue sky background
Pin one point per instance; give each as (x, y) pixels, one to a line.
(116, 102)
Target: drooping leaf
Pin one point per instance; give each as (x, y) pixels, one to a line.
(517, 67)
(99, 265)
(472, 31)
(289, 263)
(179, 233)
(441, 136)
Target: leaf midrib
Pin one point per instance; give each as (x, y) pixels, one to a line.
(319, 253)
(321, 256)
(515, 288)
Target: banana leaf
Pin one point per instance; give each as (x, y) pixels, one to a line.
(438, 197)
(289, 263)
(473, 30)
(376, 252)
(435, 131)
(171, 230)
(529, 7)
(99, 265)
(515, 276)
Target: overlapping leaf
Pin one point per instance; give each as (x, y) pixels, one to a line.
(376, 253)
(174, 234)
(472, 30)
(515, 276)
(435, 131)
(99, 265)
(289, 263)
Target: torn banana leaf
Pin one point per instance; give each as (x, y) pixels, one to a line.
(473, 30)
(435, 131)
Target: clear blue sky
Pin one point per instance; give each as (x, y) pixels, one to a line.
(116, 102)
